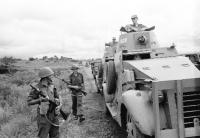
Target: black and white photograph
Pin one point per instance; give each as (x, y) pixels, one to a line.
(99, 69)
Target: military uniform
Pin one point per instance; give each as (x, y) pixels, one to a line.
(46, 115)
(135, 26)
(138, 26)
(77, 80)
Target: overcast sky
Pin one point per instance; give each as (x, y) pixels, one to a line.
(80, 28)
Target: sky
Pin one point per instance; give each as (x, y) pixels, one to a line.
(80, 28)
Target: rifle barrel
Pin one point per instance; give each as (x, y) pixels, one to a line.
(68, 83)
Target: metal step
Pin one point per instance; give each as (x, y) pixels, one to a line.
(113, 109)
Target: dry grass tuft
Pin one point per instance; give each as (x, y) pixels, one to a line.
(4, 116)
(17, 127)
(23, 77)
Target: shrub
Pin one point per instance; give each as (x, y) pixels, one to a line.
(17, 99)
(23, 77)
(17, 127)
(4, 90)
(31, 59)
(4, 116)
(8, 60)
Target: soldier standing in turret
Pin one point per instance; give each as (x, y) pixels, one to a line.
(135, 26)
(46, 112)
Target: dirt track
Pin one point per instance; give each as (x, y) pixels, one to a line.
(97, 124)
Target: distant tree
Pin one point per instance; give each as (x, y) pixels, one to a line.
(55, 57)
(31, 59)
(18, 59)
(50, 58)
(8, 60)
(44, 57)
(61, 58)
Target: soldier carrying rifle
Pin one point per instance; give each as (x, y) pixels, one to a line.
(76, 86)
(49, 104)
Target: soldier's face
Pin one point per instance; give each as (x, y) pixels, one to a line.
(51, 77)
(75, 71)
(134, 20)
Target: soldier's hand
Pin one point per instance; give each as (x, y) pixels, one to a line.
(57, 110)
(44, 99)
(57, 101)
(77, 87)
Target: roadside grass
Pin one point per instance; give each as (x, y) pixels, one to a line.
(23, 77)
(4, 116)
(17, 127)
(15, 115)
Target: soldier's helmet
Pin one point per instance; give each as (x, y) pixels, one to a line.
(45, 72)
(74, 67)
(134, 16)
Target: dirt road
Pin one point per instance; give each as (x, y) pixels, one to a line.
(97, 124)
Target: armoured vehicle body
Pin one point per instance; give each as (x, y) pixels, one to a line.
(194, 57)
(151, 91)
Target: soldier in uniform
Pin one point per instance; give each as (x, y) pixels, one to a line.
(47, 112)
(76, 84)
(135, 26)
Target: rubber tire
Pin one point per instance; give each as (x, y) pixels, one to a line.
(108, 98)
(105, 68)
(100, 72)
(99, 78)
(111, 78)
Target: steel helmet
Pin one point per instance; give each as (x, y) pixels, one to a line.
(134, 16)
(45, 72)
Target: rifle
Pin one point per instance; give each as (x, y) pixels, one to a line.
(73, 87)
(64, 115)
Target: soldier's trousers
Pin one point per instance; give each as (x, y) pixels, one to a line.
(45, 128)
(77, 105)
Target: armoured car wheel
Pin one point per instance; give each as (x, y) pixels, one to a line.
(111, 78)
(100, 78)
(105, 68)
(100, 73)
(132, 130)
(107, 97)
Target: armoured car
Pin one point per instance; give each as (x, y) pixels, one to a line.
(150, 90)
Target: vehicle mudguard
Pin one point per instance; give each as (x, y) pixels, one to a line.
(139, 106)
(108, 97)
